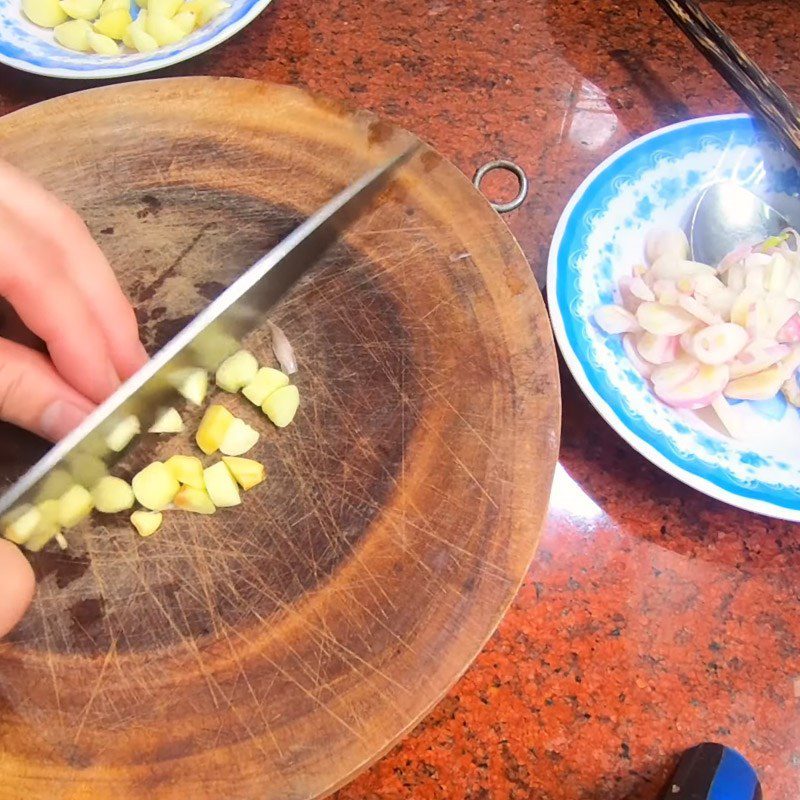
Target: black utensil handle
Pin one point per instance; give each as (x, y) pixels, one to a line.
(759, 91)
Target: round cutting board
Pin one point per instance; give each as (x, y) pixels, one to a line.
(275, 649)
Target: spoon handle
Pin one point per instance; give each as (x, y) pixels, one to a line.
(761, 94)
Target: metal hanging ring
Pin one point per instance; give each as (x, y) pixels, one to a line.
(514, 169)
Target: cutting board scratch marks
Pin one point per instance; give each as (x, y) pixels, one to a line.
(257, 701)
(191, 646)
(318, 629)
(311, 696)
(51, 666)
(457, 459)
(110, 655)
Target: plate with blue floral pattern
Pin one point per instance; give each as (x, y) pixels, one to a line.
(30, 48)
(653, 182)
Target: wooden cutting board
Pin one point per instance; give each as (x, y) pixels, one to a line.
(276, 649)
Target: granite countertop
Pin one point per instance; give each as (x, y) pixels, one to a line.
(652, 618)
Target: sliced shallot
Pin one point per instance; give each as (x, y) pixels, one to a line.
(669, 242)
(698, 391)
(666, 292)
(643, 367)
(664, 320)
(777, 274)
(790, 332)
(698, 310)
(757, 356)
(657, 349)
(759, 386)
(679, 371)
(718, 344)
(701, 334)
(730, 420)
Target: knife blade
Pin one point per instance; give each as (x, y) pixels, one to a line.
(214, 334)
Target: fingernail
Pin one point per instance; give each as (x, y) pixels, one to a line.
(60, 418)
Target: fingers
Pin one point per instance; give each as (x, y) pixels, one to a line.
(50, 305)
(34, 396)
(16, 586)
(83, 263)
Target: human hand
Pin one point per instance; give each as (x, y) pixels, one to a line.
(60, 285)
(16, 586)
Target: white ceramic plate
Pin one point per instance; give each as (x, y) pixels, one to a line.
(27, 47)
(653, 182)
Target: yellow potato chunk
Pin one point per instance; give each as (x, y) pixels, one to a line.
(86, 470)
(238, 439)
(138, 39)
(74, 505)
(137, 24)
(211, 10)
(23, 524)
(54, 485)
(81, 9)
(236, 371)
(73, 35)
(47, 13)
(266, 381)
(211, 348)
(282, 405)
(163, 29)
(186, 21)
(114, 24)
(191, 383)
(195, 500)
(247, 472)
(155, 486)
(168, 420)
(141, 3)
(146, 522)
(123, 432)
(187, 469)
(192, 7)
(221, 486)
(103, 45)
(13, 514)
(113, 5)
(48, 527)
(213, 427)
(164, 8)
(144, 43)
(112, 495)
(49, 511)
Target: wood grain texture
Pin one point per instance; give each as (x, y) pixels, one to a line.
(761, 94)
(274, 650)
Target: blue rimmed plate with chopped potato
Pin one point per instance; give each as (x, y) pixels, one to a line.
(96, 39)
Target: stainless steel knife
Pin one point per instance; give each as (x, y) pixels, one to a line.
(211, 336)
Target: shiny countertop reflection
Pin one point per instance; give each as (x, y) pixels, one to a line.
(652, 617)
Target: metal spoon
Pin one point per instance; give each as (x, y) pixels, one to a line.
(728, 215)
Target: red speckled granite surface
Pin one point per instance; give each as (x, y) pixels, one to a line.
(652, 617)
